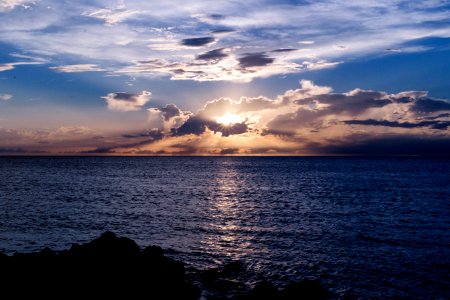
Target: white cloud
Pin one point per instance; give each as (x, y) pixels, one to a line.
(11, 66)
(228, 68)
(123, 102)
(5, 97)
(77, 68)
(11, 4)
(111, 16)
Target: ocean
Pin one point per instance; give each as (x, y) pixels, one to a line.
(364, 227)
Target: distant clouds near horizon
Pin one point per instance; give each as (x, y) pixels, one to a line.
(176, 78)
(309, 120)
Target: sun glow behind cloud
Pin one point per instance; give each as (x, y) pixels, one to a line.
(228, 119)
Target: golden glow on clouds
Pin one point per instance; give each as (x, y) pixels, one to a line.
(229, 119)
(306, 121)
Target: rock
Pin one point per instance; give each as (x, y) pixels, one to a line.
(305, 289)
(153, 252)
(108, 245)
(224, 285)
(210, 275)
(107, 267)
(264, 290)
(47, 252)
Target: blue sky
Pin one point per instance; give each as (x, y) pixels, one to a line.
(289, 77)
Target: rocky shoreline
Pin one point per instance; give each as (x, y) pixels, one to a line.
(111, 266)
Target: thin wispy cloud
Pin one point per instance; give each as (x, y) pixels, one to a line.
(11, 4)
(77, 68)
(5, 97)
(12, 65)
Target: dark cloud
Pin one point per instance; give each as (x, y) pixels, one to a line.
(194, 125)
(168, 112)
(255, 60)
(12, 151)
(284, 50)
(404, 100)
(215, 54)
(382, 146)
(217, 16)
(198, 125)
(446, 115)
(237, 128)
(442, 125)
(154, 134)
(229, 151)
(111, 148)
(125, 96)
(427, 105)
(354, 102)
(224, 30)
(196, 42)
(20, 151)
(99, 150)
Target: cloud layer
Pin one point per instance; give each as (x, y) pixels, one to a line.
(237, 41)
(310, 120)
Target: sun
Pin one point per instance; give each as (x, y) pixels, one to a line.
(229, 119)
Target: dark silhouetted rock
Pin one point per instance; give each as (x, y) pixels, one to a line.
(107, 267)
(47, 252)
(153, 252)
(108, 245)
(305, 289)
(210, 275)
(264, 290)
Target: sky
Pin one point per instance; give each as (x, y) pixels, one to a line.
(255, 77)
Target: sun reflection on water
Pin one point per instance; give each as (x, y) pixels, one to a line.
(227, 213)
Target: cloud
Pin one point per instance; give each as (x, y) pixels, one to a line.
(430, 105)
(11, 66)
(307, 120)
(281, 50)
(111, 16)
(168, 112)
(215, 66)
(223, 31)
(197, 125)
(4, 151)
(123, 102)
(385, 146)
(77, 68)
(175, 31)
(46, 141)
(442, 125)
(11, 4)
(5, 97)
(197, 42)
(215, 54)
(254, 60)
(154, 134)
